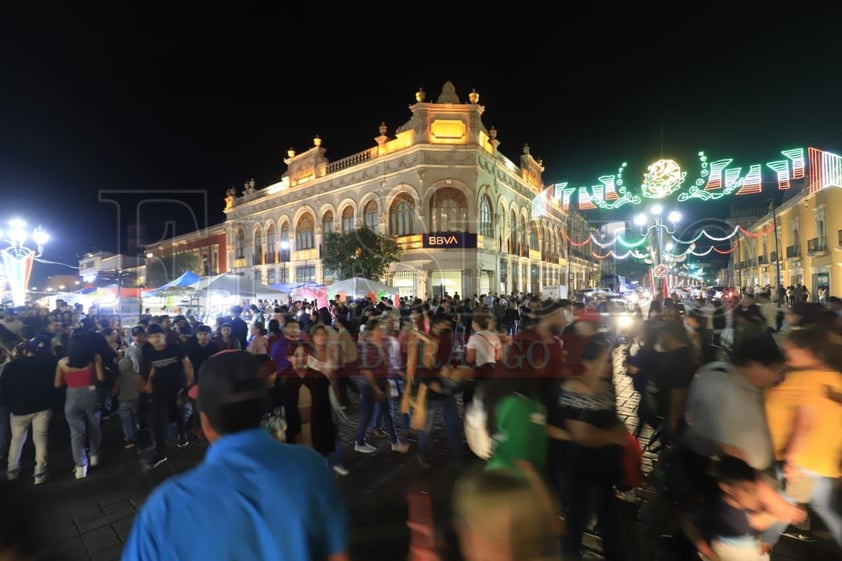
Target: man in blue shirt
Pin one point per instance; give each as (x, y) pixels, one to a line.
(252, 497)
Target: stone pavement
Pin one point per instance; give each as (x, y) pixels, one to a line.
(89, 520)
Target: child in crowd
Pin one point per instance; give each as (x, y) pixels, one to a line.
(728, 527)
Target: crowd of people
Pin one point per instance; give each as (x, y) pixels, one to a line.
(748, 431)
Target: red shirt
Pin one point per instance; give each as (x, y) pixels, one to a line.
(534, 354)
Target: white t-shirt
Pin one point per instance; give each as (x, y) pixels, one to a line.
(485, 343)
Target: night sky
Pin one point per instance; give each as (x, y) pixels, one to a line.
(180, 102)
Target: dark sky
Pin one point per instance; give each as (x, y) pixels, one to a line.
(175, 102)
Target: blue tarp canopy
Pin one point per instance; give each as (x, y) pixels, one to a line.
(185, 281)
(293, 286)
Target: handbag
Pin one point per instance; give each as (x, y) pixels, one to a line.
(631, 464)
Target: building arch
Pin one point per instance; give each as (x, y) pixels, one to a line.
(305, 231)
(301, 211)
(402, 215)
(435, 190)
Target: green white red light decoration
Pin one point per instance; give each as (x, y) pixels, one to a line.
(714, 180)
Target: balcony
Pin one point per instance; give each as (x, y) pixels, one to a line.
(817, 247)
(792, 251)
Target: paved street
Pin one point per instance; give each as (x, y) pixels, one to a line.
(89, 520)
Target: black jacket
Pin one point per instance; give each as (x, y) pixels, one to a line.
(27, 385)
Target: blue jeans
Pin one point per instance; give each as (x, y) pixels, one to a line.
(367, 403)
(128, 417)
(4, 433)
(83, 418)
(822, 503)
(446, 407)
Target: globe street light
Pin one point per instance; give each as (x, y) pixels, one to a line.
(657, 227)
(18, 257)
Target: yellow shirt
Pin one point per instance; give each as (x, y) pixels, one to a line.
(822, 449)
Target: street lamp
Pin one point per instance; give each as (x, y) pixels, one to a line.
(657, 227)
(18, 257)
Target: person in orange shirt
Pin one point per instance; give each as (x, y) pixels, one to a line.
(804, 421)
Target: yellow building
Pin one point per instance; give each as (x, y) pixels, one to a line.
(468, 219)
(801, 238)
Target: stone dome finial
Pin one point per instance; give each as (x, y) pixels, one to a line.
(291, 153)
(473, 97)
(317, 141)
(382, 129)
(448, 93)
(420, 95)
(492, 132)
(526, 149)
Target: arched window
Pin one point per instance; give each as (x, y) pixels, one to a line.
(285, 242)
(524, 239)
(401, 215)
(513, 239)
(258, 246)
(304, 234)
(449, 211)
(241, 244)
(348, 220)
(327, 223)
(486, 219)
(533, 236)
(270, 244)
(370, 215)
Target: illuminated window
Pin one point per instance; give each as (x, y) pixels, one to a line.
(258, 245)
(486, 219)
(241, 244)
(449, 211)
(305, 274)
(285, 243)
(513, 240)
(348, 220)
(533, 236)
(327, 223)
(401, 216)
(370, 215)
(270, 242)
(304, 233)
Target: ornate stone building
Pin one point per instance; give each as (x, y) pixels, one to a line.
(468, 219)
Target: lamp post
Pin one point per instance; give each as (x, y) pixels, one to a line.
(18, 257)
(653, 223)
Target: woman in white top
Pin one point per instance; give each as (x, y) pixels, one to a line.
(482, 351)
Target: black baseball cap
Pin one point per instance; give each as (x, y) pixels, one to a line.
(153, 329)
(204, 329)
(138, 330)
(228, 377)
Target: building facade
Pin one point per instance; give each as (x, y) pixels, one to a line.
(467, 219)
(208, 245)
(800, 240)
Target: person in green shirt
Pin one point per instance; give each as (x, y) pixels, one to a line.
(506, 426)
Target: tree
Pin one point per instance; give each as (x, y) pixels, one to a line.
(162, 270)
(359, 253)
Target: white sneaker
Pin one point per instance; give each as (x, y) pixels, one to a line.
(400, 447)
(80, 472)
(341, 470)
(93, 460)
(41, 477)
(12, 474)
(365, 448)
